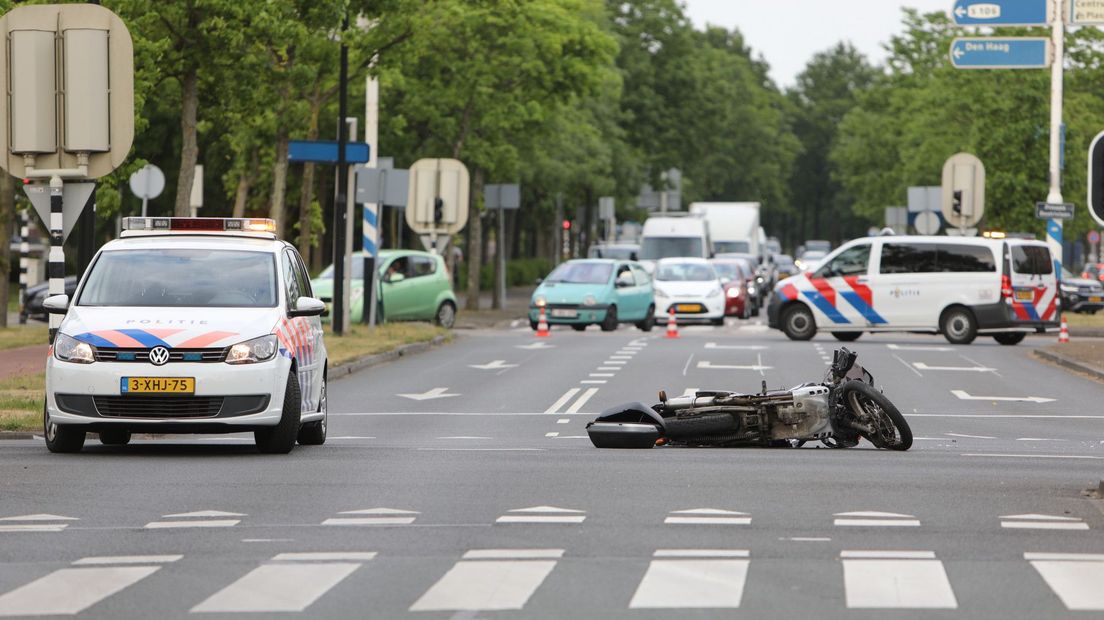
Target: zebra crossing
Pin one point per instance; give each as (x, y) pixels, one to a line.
(508, 578)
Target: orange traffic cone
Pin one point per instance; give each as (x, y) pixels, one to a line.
(672, 324)
(1063, 334)
(542, 325)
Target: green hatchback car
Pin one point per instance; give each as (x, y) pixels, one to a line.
(413, 286)
(595, 291)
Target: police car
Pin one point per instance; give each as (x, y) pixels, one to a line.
(189, 325)
(958, 287)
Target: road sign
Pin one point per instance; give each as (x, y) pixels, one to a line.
(1001, 53)
(147, 182)
(1002, 12)
(438, 197)
(1094, 237)
(74, 197)
(925, 199)
(1047, 211)
(69, 71)
(1096, 178)
(195, 199)
(325, 152)
(963, 186)
(1086, 12)
(927, 223)
(606, 209)
(897, 219)
(497, 196)
(387, 186)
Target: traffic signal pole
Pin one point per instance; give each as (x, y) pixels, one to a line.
(340, 215)
(1054, 225)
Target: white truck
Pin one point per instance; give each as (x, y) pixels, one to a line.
(734, 226)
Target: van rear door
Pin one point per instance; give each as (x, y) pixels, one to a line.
(1033, 282)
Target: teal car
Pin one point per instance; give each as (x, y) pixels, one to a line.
(595, 291)
(411, 286)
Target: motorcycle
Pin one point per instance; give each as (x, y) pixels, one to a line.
(838, 411)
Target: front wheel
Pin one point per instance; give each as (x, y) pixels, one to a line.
(1009, 338)
(798, 323)
(610, 322)
(60, 438)
(846, 336)
(446, 315)
(891, 431)
(649, 320)
(280, 439)
(314, 433)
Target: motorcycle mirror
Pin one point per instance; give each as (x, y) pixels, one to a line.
(663, 396)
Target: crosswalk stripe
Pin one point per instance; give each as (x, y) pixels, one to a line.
(568, 395)
(126, 559)
(1075, 578)
(691, 583)
(277, 587)
(160, 525)
(877, 583)
(474, 585)
(70, 590)
(369, 521)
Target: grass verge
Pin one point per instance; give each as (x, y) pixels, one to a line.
(359, 341)
(1085, 320)
(17, 336)
(21, 402)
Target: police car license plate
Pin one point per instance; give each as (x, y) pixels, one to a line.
(157, 385)
(688, 308)
(1025, 295)
(564, 314)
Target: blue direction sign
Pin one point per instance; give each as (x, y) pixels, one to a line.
(1002, 12)
(1000, 53)
(325, 151)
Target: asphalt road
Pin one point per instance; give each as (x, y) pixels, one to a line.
(460, 484)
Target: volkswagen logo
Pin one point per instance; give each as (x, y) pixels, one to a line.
(159, 356)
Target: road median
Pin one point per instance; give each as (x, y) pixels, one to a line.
(1082, 357)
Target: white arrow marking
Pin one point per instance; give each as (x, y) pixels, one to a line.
(742, 347)
(708, 511)
(958, 53)
(40, 517)
(1039, 517)
(712, 366)
(536, 345)
(495, 365)
(203, 514)
(430, 395)
(962, 394)
(547, 509)
(923, 366)
(898, 347)
(380, 511)
(959, 11)
(875, 514)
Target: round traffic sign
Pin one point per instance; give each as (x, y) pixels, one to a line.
(1094, 236)
(927, 223)
(148, 182)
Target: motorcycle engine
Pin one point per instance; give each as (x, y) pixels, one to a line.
(806, 418)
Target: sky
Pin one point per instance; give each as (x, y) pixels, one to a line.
(788, 32)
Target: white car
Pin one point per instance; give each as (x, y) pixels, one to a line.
(692, 288)
(189, 325)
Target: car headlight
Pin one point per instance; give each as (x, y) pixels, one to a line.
(660, 294)
(539, 301)
(715, 292)
(589, 300)
(69, 349)
(252, 351)
(751, 289)
(759, 279)
(733, 292)
(1069, 288)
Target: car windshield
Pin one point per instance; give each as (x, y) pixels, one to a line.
(685, 272)
(358, 270)
(732, 247)
(728, 270)
(615, 252)
(581, 273)
(171, 278)
(655, 248)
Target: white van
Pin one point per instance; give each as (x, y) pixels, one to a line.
(955, 286)
(675, 237)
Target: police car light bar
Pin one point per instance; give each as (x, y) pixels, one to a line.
(221, 224)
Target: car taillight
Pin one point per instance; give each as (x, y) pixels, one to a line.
(1006, 287)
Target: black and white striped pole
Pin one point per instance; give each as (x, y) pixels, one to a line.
(56, 261)
(24, 260)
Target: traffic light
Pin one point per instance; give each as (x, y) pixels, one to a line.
(438, 210)
(956, 202)
(567, 224)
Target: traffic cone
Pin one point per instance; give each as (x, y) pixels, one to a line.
(542, 325)
(1063, 334)
(672, 324)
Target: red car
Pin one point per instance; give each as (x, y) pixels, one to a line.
(735, 278)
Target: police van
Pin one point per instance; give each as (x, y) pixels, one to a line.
(189, 325)
(959, 287)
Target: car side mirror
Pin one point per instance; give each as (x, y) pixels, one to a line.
(307, 306)
(56, 304)
(538, 281)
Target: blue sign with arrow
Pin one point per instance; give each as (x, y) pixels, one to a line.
(1002, 12)
(1001, 53)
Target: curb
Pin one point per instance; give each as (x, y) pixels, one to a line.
(1086, 332)
(360, 364)
(1067, 362)
(4, 435)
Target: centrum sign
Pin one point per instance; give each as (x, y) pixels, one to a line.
(1086, 12)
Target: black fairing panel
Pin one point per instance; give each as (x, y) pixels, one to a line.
(633, 413)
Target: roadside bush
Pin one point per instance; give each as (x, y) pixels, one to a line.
(519, 272)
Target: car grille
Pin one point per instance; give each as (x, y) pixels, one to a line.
(159, 406)
(175, 355)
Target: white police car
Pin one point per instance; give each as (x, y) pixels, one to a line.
(189, 325)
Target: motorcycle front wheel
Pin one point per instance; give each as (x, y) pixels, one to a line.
(892, 432)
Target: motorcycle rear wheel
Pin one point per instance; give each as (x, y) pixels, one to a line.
(868, 404)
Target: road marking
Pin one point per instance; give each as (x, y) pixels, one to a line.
(202, 514)
(374, 516)
(563, 421)
(615, 362)
(1036, 456)
(601, 374)
(1074, 578)
(489, 584)
(480, 449)
(271, 588)
(877, 583)
(692, 583)
(260, 540)
(326, 556)
(39, 517)
(969, 436)
(712, 366)
(568, 395)
(1042, 522)
(707, 516)
(620, 357)
(613, 368)
(593, 382)
(162, 525)
(433, 394)
(736, 347)
(494, 365)
(551, 434)
(808, 539)
(923, 366)
(126, 559)
(964, 395)
(71, 590)
(874, 519)
(907, 365)
(536, 346)
(465, 437)
(544, 515)
(1038, 439)
(545, 509)
(701, 553)
(887, 555)
(34, 527)
(897, 347)
(578, 405)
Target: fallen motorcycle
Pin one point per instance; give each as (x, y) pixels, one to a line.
(839, 411)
